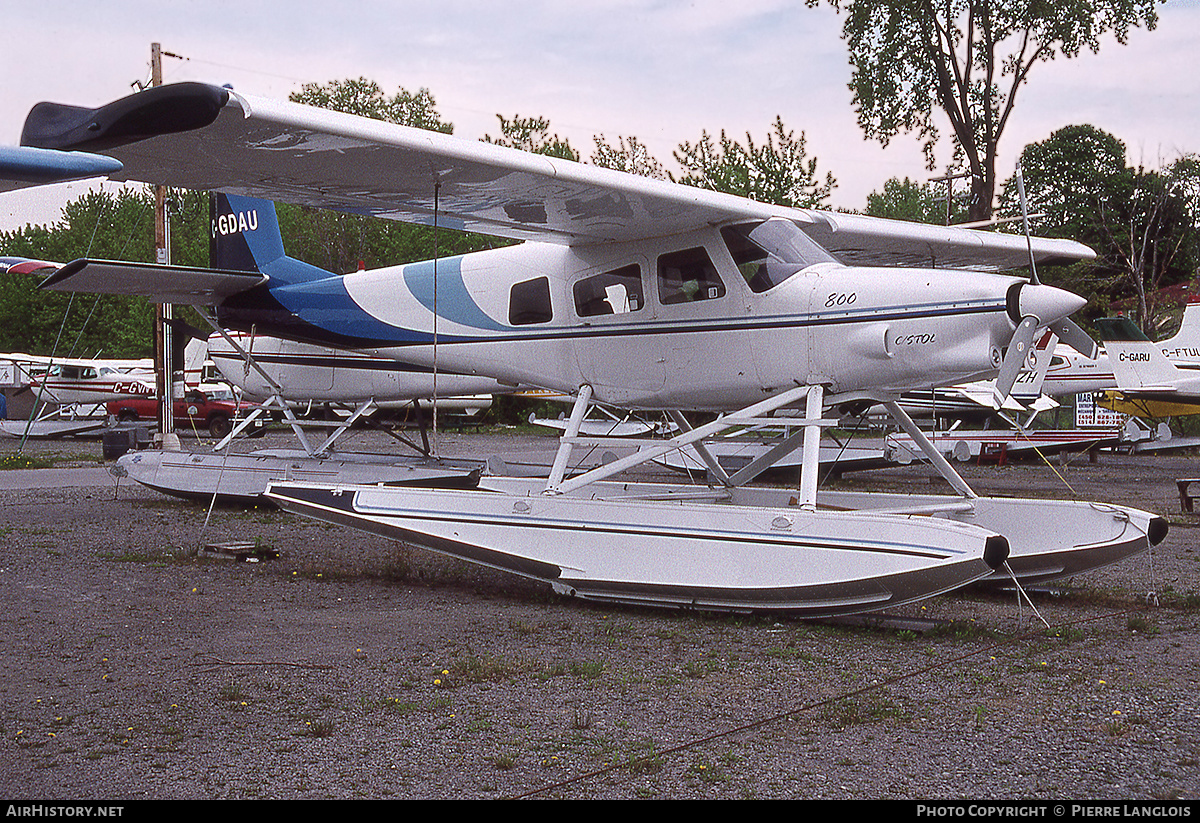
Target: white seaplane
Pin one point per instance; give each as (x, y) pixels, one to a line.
(68, 394)
(640, 294)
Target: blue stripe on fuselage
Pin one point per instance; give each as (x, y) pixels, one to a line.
(454, 302)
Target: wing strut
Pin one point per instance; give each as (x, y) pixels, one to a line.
(745, 417)
(938, 460)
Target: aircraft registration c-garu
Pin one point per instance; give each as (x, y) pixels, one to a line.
(1152, 379)
(641, 294)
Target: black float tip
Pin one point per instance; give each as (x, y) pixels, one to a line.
(995, 551)
(1157, 532)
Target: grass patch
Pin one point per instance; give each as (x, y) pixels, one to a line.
(866, 708)
(20, 460)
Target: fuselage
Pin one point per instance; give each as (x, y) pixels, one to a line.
(690, 321)
(69, 383)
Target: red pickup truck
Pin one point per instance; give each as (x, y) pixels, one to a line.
(211, 409)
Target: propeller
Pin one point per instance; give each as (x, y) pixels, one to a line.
(1032, 305)
(1015, 359)
(1076, 338)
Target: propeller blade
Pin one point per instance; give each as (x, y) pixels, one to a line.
(1075, 337)
(1033, 275)
(1014, 359)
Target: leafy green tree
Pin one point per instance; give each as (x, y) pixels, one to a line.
(778, 172)
(1142, 223)
(102, 225)
(915, 202)
(1068, 177)
(629, 155)
(366, 99)
(966, 59)
(531, 134)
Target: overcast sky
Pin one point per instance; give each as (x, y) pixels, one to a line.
(660, 71)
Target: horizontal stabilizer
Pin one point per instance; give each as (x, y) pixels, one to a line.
(180, 285)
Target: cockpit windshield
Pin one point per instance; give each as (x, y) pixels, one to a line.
(768, 253)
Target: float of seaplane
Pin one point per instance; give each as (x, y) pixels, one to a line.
(639, 294)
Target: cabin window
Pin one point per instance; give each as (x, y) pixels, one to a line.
(614, 292)
(687, 276)
(74, 372)
(529, 302)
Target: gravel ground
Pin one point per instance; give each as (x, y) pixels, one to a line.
(351, 667)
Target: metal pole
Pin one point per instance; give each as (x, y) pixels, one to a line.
(163, 360)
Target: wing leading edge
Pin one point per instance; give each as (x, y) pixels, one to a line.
(203, 137)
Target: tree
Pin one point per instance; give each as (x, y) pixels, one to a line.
(915, 202)
(629, 155)
(1067, 176)
(531, 134)
(967, 59)
(365, 98)
(1142, 223)
(1152, 240)
(778, 172)
(102, 225)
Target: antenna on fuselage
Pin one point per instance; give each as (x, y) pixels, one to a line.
(437, 188)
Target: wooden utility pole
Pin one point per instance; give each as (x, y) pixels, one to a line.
(163, 359)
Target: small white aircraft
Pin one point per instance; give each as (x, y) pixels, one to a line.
(69, 381)
(640, 294)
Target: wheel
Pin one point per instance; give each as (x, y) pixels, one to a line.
(219, 426)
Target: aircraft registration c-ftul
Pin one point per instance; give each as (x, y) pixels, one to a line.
(656, 295)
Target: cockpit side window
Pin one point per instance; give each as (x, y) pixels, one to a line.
(686, 276)
(529, 302)
(613, 292)
(750, 259)
(769, 253)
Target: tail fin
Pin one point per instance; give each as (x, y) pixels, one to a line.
(1185, 345)
(245, 236)
(1137, 363)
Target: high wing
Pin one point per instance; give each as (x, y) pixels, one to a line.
(24, 166)
(25, 265)
(205, 137)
